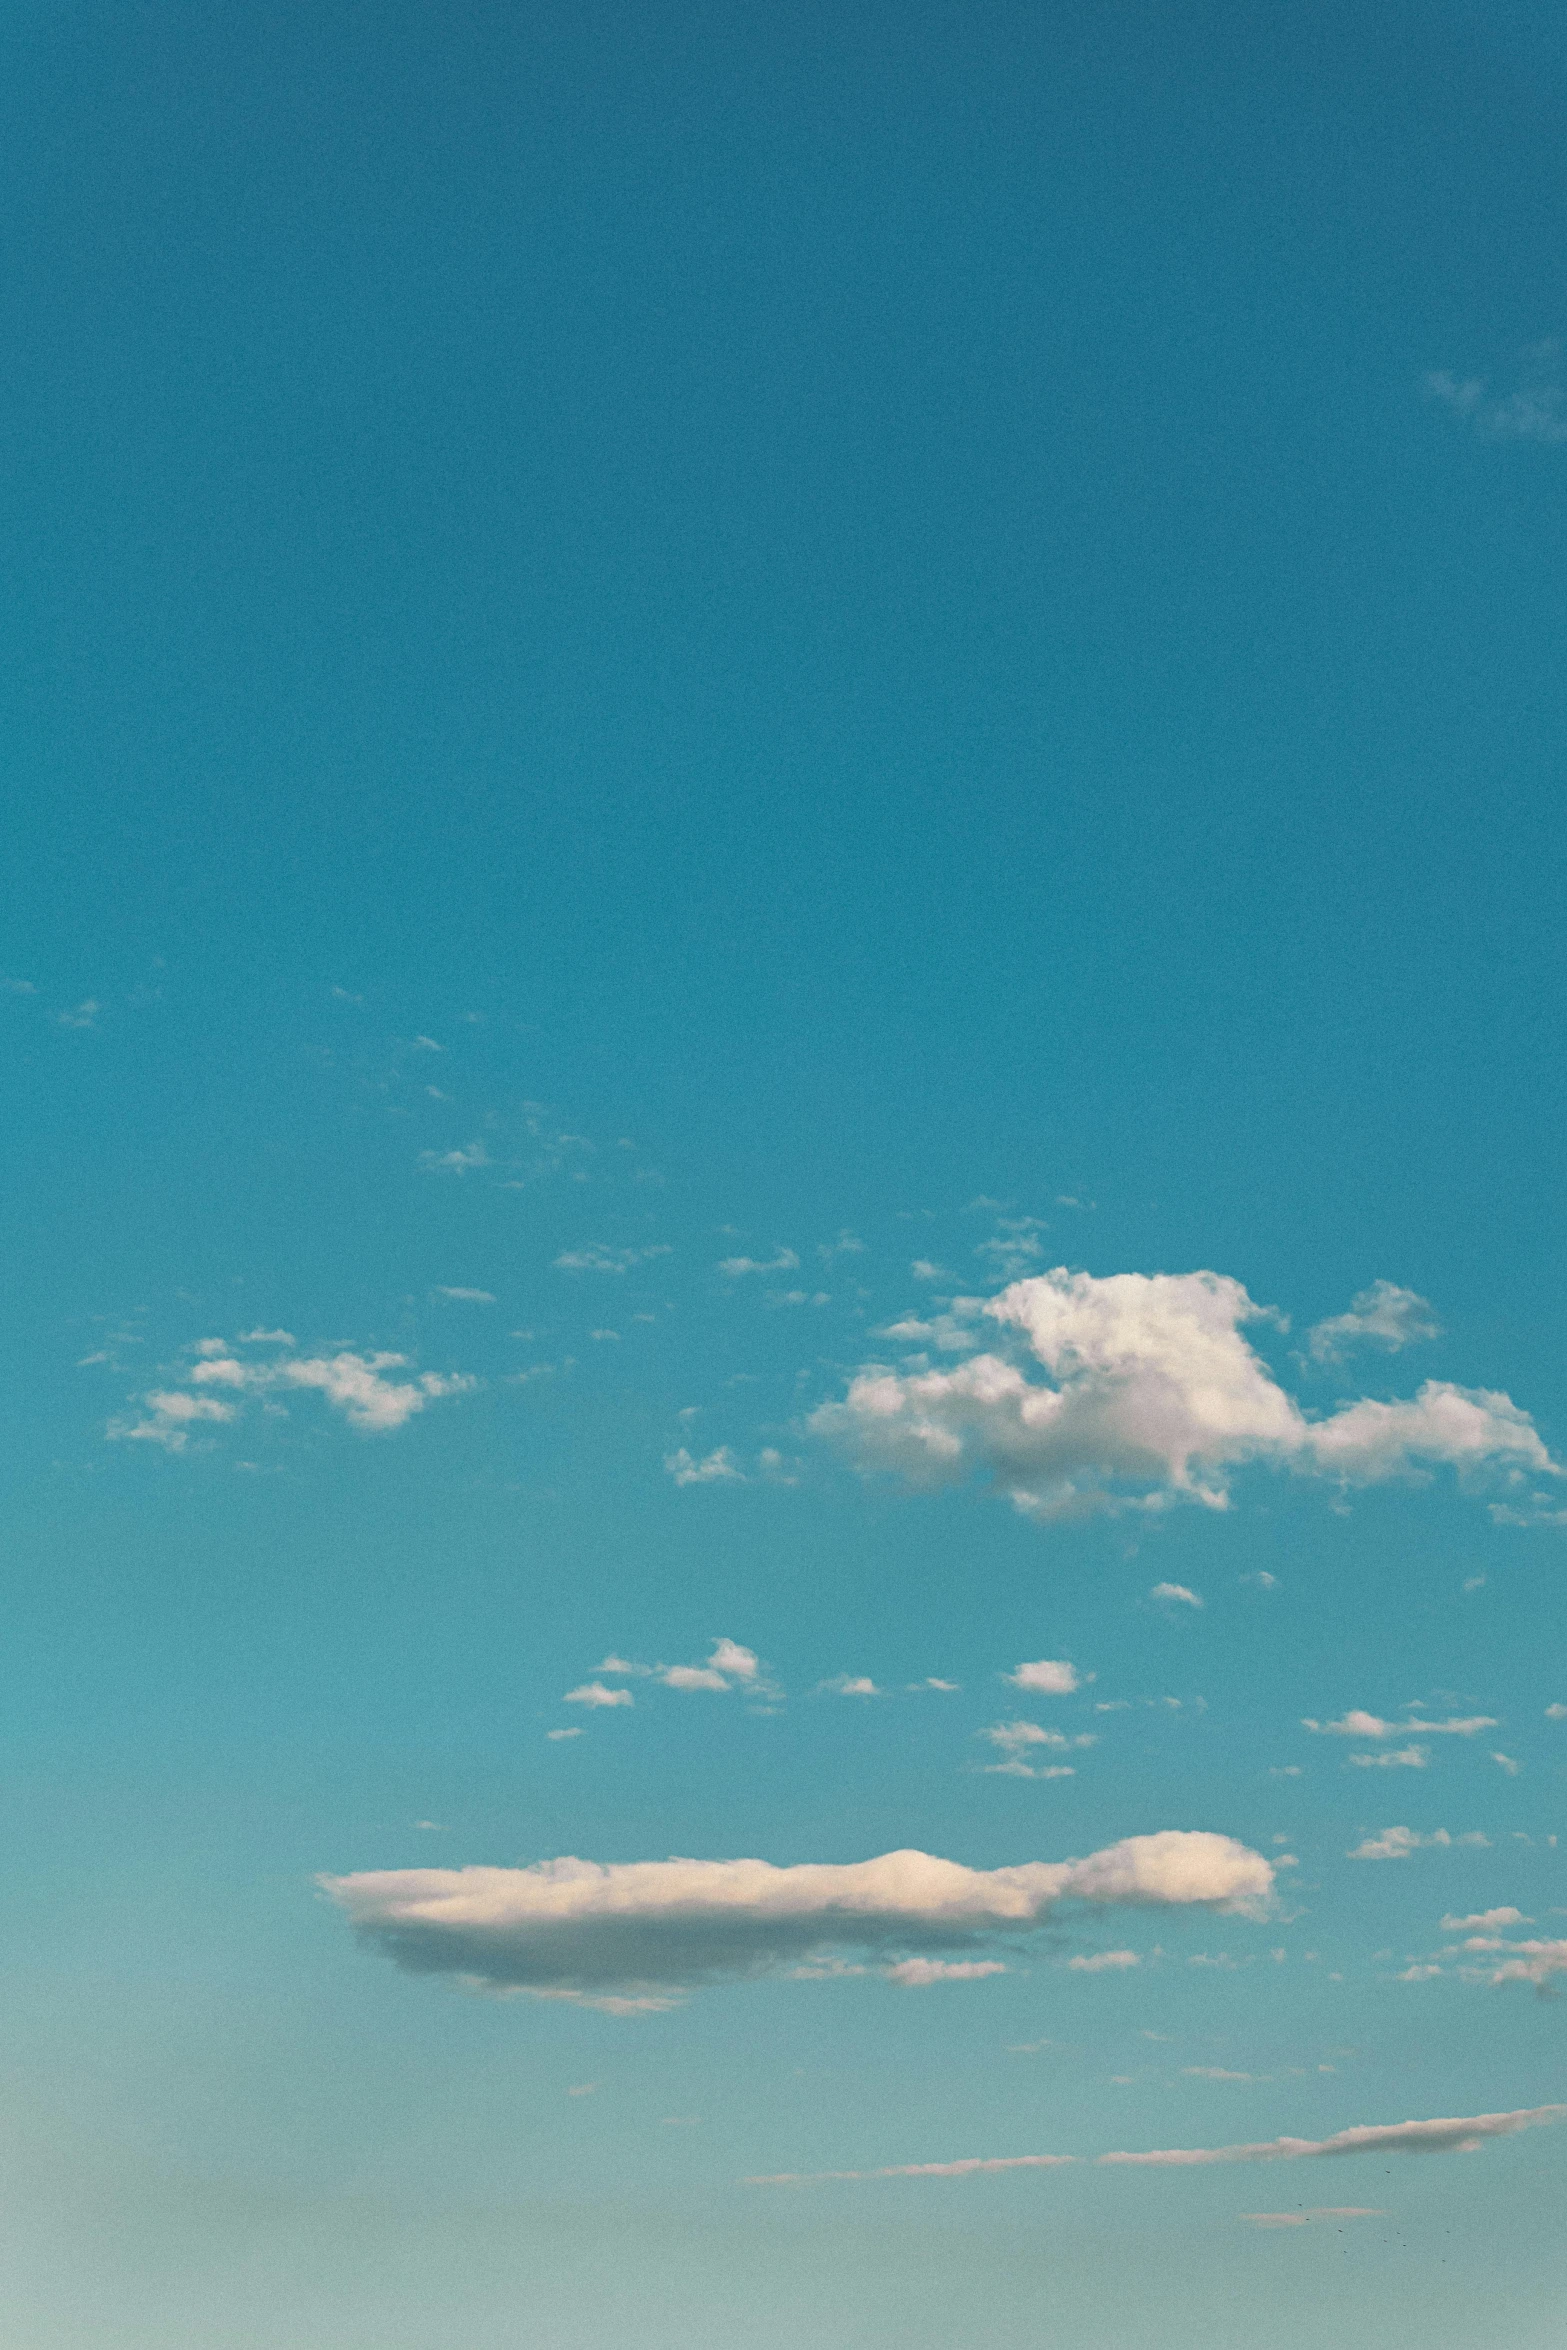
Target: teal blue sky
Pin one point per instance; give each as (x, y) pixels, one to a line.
(752, 756)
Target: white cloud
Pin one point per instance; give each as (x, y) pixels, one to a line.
(594, 1693)
(735, 1268)
(691, 1677)
(850, 1685)
(573, 1928)
(174, 1416)
(619, 1664)
(592, 1258)
(1404, 1758)
(455, 1162)
(719, 1467)
(1102, 1962)
(1051, 1677)
(1014, 1739)
(1462, 2136)
(465, 1297)
(948, 1688)
(1261, 1580)
(1534, 410)
(1556, 1713)
(355, 1384)
(1399, 1843)
(1174, 1595)
(1383, 1315)
(82, 1015)
(558, 1734)
(729, 1657)
(1356, 1724)
(1509, 1764)
(1483, 1921)
(915, 1974)
(1536, 1962)
(1152, 1395)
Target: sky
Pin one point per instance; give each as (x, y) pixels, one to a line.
(785, 1433)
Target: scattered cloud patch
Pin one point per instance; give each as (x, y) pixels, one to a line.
(461, 1161)
(850, 1685)
(1405, 1758)
(360, 1386)
(463, 1297)
(1356, 1724)
(1103, 1962)
(1173, 1595)
(1535, 409)
(1399, 1843)
(594, 1693)
(916, 1974)
(1383, 1316)
(719, 1467)
(736, 1268)
(592, 1258)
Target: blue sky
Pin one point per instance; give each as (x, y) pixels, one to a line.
(782, 998)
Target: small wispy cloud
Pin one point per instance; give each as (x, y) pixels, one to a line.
(1356, 1724)
(718, 1467)
(1383, 1316)
(1533, 409)
(736, 1268)
(464, 1297)
(595, 1694)
(1174, 1595)
(1399, 1843)
(461, 1161)
(593, 1258)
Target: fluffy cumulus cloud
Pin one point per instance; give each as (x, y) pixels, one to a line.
(1465, 2134)
(370, 1390)
(580, 1929)
(1047, 1677)
(1151, 1393)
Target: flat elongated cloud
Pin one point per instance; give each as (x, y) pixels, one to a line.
(1536, 1962)
(576, 1928)
(1151, 1395)
(1355, 1724)
(1399, 1843)
(363, 1387)
(1461, 2136)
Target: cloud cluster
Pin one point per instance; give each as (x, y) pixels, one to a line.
(731, 1666)
(1399, 1843)
(1465, 2135)
(217, 1384)
(1152, 1394)
(582, 1929)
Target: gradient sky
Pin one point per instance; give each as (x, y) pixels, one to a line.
(688, 690)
